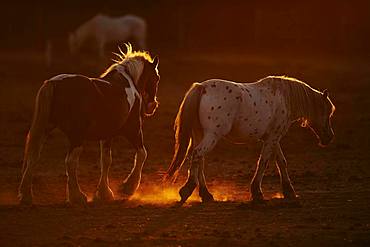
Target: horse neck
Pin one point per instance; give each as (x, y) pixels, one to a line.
(133, 71)
(303, 101)
(134, 68)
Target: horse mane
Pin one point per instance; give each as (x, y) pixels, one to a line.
(133, 61)
(304, 102)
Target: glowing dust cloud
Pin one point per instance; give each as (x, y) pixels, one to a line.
(277, 195)
(157, 194)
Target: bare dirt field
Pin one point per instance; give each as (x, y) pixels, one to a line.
(333, 183)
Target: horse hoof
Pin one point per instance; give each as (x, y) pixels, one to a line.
(78, 200)
(290, 196)
(127, 190)
(25, 200)
(186, 191)
(207, 199)
(206, 196)
(258, 199)
(106, 196)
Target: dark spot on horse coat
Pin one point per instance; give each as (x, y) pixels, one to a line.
(282, 111)
(245, 119)
(212, 108)
(266, 101)
(227, 87)
(219, 107)
(224, 98)
(218, 126)
(209, 117)
(228, 114)
(256, 112)
(254, 103)
(213, 85)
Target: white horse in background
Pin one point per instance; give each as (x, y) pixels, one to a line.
(104, 30)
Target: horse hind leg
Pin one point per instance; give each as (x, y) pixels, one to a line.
(35, 138)
(33, 148)
(206, 145)
(104, 193)
(74, 193)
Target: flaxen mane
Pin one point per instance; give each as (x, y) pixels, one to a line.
(301, 99)
(131, 60)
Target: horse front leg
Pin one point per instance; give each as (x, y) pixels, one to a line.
(74, 193)
(281, 164)
(104, 193)
(266, 153)
(132, 182)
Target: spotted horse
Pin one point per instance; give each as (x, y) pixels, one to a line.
(97, 109)
(263, 110)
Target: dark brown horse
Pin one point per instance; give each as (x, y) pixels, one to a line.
(94, 109)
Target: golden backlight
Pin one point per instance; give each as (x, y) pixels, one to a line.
(168, 194)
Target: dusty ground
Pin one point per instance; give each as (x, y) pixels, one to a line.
(333, 183)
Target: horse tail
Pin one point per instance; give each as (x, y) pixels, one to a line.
(187, 117)
(40, 122)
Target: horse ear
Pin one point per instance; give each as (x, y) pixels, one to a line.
(155, 61)
(325, 93)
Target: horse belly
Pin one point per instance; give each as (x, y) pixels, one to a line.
(84, 111)
(251, 122)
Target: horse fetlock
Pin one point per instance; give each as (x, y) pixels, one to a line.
(129, 187)
(104, 194)
(74, 195)
(25, 194)
(25, 198)
(288, 191)
(256, 193)
(205, 195)
(186, 191)
(77, 198)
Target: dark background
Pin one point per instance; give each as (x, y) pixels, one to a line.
(339, 27)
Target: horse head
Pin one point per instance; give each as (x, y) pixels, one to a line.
(320, 123)
(148, 85)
